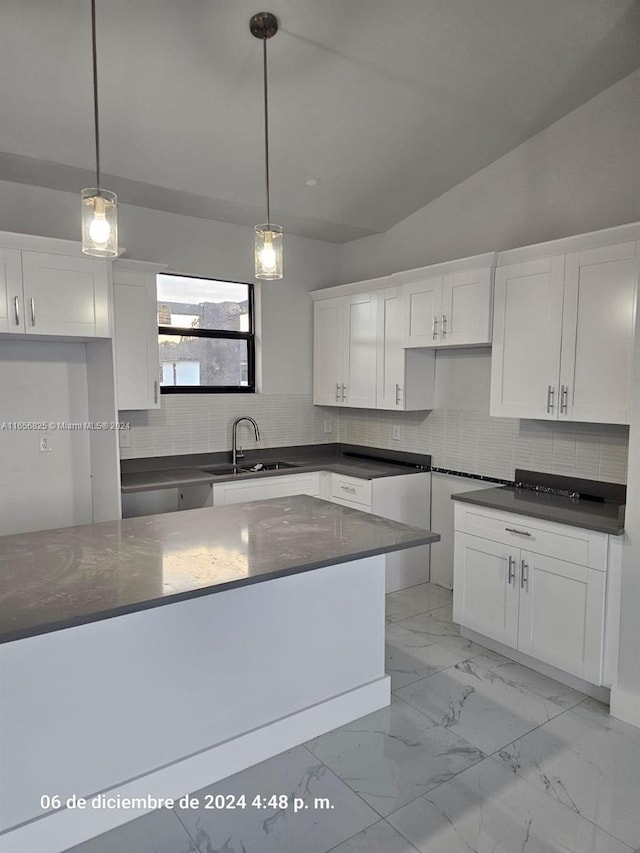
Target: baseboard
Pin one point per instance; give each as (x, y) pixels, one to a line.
(625, 705)
(602, 694)
(61, 830)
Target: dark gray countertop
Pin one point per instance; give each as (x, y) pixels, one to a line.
(55, 579)
(605, 517)
(169, 473)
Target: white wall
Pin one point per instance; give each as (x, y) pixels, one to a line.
(43, 382)
(580, 174)
(202, 247)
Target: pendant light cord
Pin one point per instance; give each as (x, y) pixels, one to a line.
(266, 125)
(95, 90)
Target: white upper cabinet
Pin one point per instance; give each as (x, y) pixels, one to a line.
(11, 302)
(328, 355)
(65, 295)
(422, 310)
(405, 378)
(359, 375)
(136, 335)
(359, 358)
(597, 334)
(525, 361)
(563, 331)
(344, 351)
(47, 287)
(448, 305)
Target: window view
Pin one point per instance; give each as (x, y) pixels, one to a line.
(206, 334)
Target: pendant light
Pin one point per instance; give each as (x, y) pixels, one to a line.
(268, 237)
(99, 206)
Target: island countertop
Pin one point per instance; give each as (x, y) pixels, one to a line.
(56, 579)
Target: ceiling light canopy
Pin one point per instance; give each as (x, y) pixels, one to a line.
(99, 206)
(268, 236)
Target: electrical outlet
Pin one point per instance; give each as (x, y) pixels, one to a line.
(45, 444)
(396, 432)
(124, 438)
(327, 426)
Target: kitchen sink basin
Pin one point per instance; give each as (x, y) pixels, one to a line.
(256, 468)
(268, 466)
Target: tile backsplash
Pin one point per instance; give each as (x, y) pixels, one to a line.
(460, 440)
(475, 443)
(201, 423)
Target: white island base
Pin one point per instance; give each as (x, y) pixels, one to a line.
(168, 700)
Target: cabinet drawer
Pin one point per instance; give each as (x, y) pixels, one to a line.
(573, 544)
(351, 489)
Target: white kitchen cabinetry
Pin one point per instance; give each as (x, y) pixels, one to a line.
(448, 305)
(270, 487)
(442, 487)
(405, 498)
(44, 291)
(563, 330)
(405, 378)
(11, 297)
(345, 351)
(136, 335)
(535, 586)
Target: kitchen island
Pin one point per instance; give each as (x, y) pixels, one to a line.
(153, 656)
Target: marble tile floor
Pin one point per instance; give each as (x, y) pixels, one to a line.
(476, 753)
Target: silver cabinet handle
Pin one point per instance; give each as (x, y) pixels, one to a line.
(564, 399)
(348, 489)
(16, 309)
(550, 395)
(512, 570)
(344, 392)
(32, 305)
(337, 390)
(524, 575)
(519, 532)
(398, 390)
(155, 391)
(444, 325)
(435, 328)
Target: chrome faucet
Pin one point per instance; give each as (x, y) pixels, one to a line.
(237, 451)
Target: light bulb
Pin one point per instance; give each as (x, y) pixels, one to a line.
(268, 257)
(99, 230)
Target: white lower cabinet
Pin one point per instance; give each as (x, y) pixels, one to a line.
(270, 487)
(547, 600)
(405, 498)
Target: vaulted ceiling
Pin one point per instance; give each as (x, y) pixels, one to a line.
(388, 103)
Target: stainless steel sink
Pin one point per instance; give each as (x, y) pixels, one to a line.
(256, 468)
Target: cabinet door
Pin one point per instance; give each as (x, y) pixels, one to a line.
(422, 307)
(195, 497)
(152, 502)
(466, 308)
(391, 391)
(270, 487)
(485, 591)
(328, 352)
(11, 302)
(360, 350)
(135, 329)
(597, 334)
(65, 295)
(527, 328)
(562, 614)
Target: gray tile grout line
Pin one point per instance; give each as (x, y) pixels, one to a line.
(382, 820)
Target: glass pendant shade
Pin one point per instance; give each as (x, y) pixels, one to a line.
(99, 223)
(268, 252)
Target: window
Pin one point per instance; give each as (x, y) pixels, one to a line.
(206, 337)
